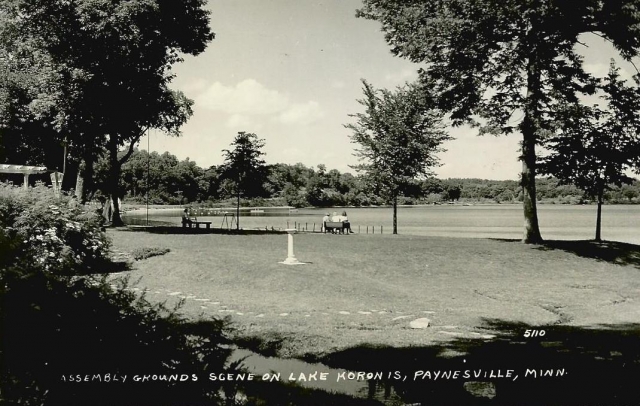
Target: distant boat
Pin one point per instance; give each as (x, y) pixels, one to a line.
(293, 211)
(257, 211)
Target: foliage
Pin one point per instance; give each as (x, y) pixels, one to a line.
(486, 61)
(398, 140)
(50, 233)
(59, 328)
(175, 182)
(243, 170)
(111, 64)
(594, 147)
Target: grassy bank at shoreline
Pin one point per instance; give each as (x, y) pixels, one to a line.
(367, 289)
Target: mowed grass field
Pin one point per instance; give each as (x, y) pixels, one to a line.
(366, 289)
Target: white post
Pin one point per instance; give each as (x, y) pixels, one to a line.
(26, 181)
(291, 258)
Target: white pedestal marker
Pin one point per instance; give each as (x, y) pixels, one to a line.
(291, 258)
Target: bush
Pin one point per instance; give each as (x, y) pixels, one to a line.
(144, 253)
(51, 233)
(71, 339)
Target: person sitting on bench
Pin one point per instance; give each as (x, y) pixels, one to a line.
(345, 222)
(325, 220)
(186, 221)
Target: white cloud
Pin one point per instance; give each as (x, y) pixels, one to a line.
(249, 99)
(306, 113)
(241, 122)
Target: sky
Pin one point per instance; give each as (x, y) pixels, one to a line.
(290, 71)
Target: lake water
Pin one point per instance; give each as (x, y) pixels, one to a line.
(619, 222)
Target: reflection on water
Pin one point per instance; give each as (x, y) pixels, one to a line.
(619, 222)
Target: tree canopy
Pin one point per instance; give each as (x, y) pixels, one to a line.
(102, 68)
(243, 167)
(491, 61)
(398, 139)
(594, 147)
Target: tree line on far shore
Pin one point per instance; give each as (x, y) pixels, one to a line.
(169, 180)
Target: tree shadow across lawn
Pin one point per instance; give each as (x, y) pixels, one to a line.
(609, 251)
(599, 365)
(173, 229)
(614, 252)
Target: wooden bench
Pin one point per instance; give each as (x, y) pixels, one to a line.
(206, 223)
(334, 225)
(194, 222)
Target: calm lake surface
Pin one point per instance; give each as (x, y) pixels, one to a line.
(619, 222)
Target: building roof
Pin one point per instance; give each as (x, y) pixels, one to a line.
(23, 169)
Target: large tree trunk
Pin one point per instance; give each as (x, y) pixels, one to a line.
(395, 214)
(84, 179)
(599, 215)
(530, 126)
(114, 177)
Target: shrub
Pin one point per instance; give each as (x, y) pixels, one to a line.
(59, 325)
(51, 233)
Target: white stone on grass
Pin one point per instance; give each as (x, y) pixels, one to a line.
(174, 293)
(260, 315)
(284, 314)
(422, 322)
(401, 317)
(361, 312)
(343, 312)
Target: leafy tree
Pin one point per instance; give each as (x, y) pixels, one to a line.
(453, 193)
(243, 167)
(487, 61)
(109, 65)
(398, 140)
(595, 147)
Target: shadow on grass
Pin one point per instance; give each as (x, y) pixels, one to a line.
(167, 229)
(609, 251)
(268, 344)
(566, 366)
(614, 252)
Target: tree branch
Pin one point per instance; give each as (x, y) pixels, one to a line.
(134, 141)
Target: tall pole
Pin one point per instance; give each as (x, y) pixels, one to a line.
(148, 157)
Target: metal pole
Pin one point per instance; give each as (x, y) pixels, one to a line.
(148, 157)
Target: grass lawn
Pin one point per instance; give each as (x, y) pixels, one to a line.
(366, 289)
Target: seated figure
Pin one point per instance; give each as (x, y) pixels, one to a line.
(325, 220)
(186, 221)
(345, 222)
